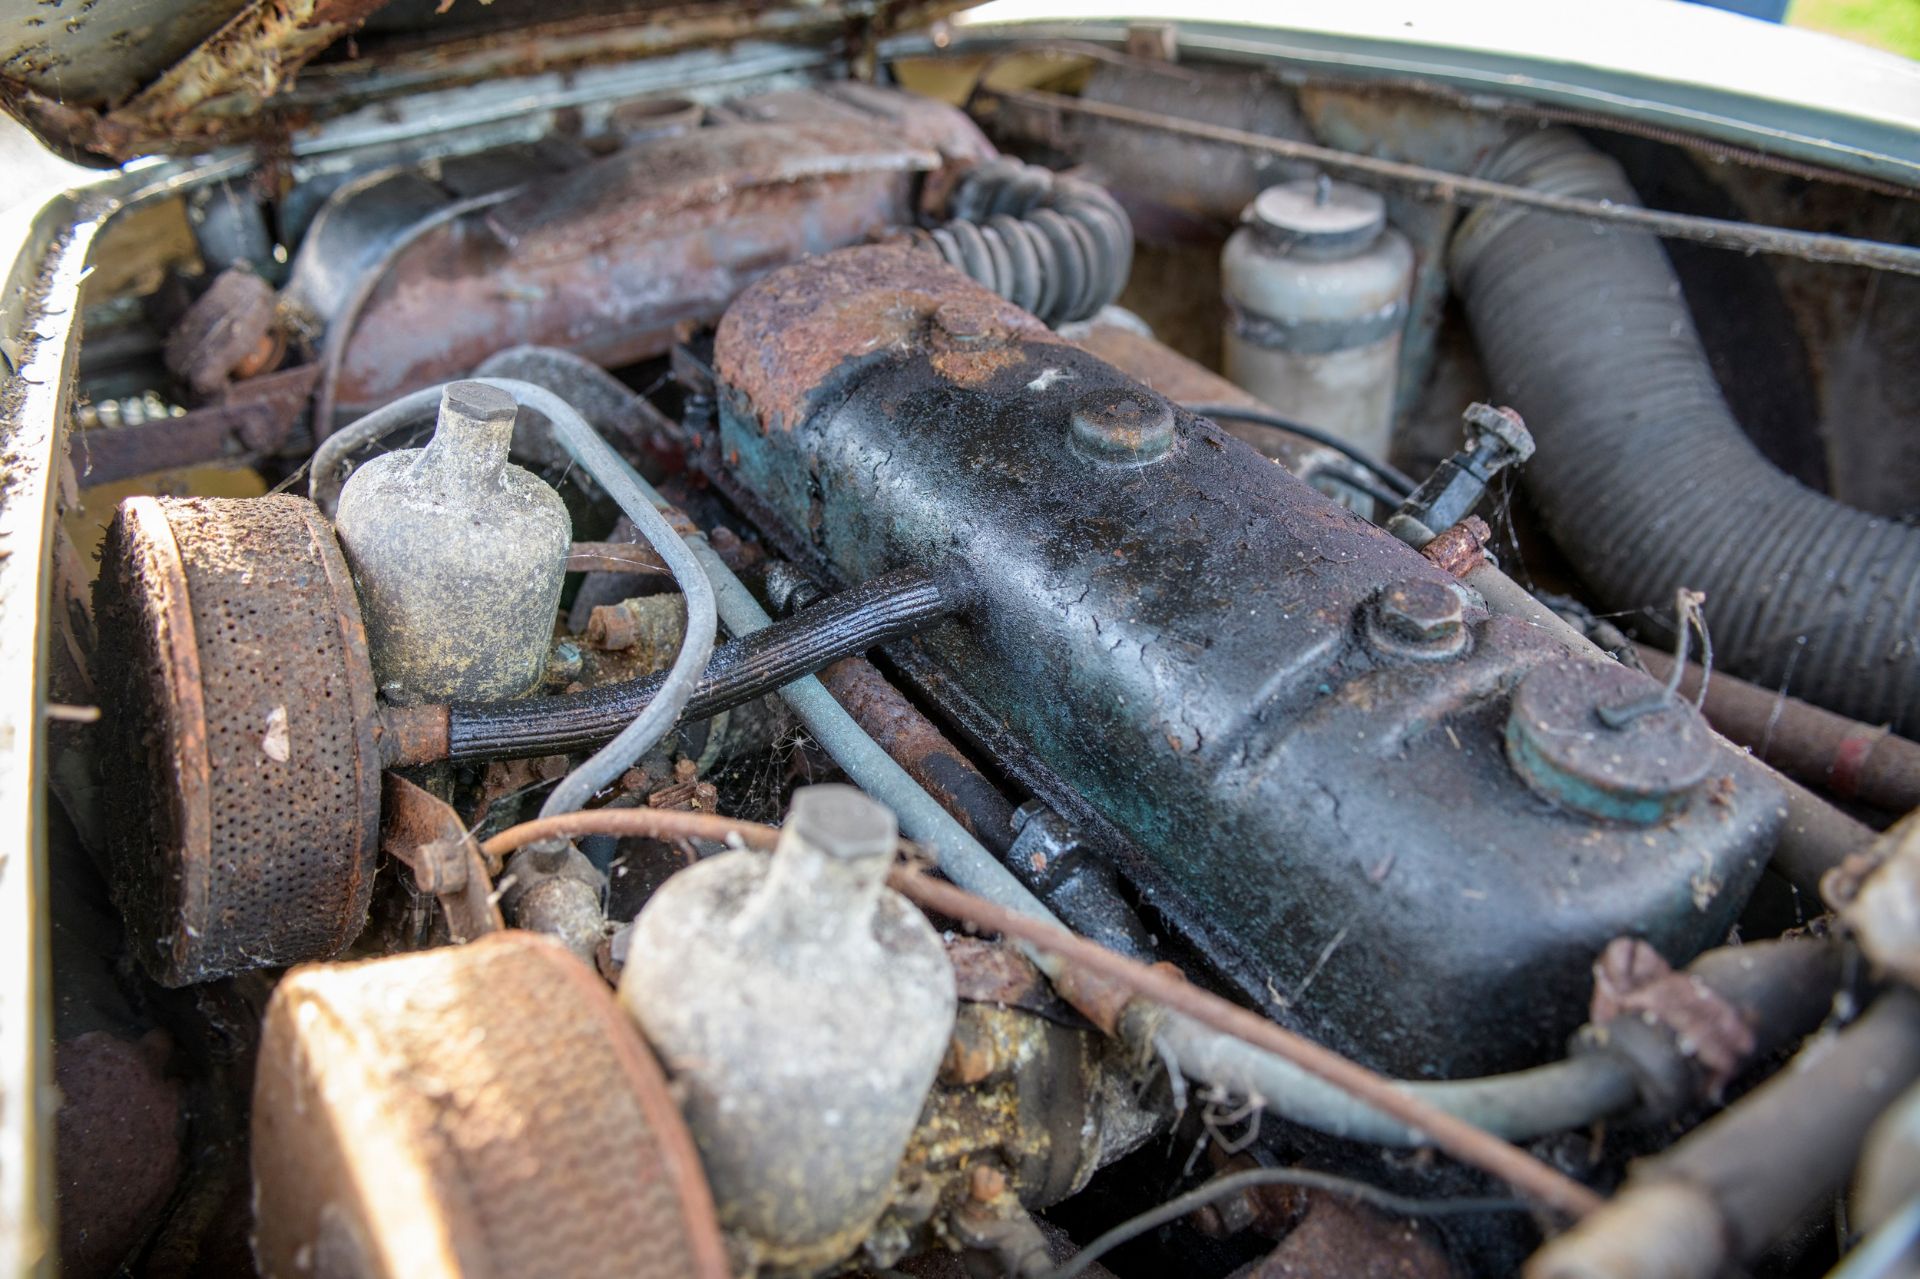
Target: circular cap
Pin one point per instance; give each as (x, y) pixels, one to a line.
(1122, 425)
(1640, 771)
(1320, 214)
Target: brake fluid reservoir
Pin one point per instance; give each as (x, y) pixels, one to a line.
(458, 557)
(802, 1007)
(1316, 287)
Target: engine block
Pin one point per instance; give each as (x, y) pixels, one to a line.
(1300, 740)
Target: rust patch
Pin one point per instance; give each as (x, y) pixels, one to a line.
(784, 336)
(524, 1104)
(244, 763)
(425, 834)
(917, 745)
(250, 418)
(227, 334)
(231, 74)
(1631, 979)
(611, 260)
(987, 972)
(1460, 549)
(1100, 999)
(412, 735)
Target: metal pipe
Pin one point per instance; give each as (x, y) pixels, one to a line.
(852, 621)
(1461, 188)
(923, 750)
(1845, 757)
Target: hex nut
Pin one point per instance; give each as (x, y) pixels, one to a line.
(1420, 619)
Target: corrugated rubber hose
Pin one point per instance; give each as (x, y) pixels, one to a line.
(1057, 246)
(1643, 476)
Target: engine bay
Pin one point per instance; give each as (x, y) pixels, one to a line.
(1336, 670)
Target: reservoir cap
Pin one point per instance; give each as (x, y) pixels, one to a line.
(1319, 215)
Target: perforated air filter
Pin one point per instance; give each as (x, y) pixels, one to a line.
(239, 753)
(477, 1110)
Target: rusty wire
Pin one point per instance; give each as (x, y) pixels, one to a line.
(1462, 1140)
(1719, 233)
(635, 823)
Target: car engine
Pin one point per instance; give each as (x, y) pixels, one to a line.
(1024, 659)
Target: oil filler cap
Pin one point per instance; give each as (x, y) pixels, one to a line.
(1603, 741)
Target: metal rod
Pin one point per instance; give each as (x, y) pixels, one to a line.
(1867, 762)
(1741, 237)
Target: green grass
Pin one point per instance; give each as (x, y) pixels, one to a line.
(1893, 25)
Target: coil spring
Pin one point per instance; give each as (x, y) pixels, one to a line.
(1059, 247)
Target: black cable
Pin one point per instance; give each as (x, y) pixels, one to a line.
(888, 607)
(1395, 478)
(1234, 1183)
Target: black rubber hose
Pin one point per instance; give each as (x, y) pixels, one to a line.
(1643, 476)
(1057, 246)
(852, 621)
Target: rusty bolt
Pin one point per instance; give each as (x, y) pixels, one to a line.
(961, 321)
(1421, 612)
(1122, 425)
(1498, 434)
(1227, 1218)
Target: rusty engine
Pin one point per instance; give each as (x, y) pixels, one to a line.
(1221, 829)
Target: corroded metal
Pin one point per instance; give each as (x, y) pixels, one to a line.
(1631, 978)
(922, 749)
(1866, 762)
(1461, 549)
(479, 1109)
(1639, 765)
(426, 834)
(776, 352)
(608, 260)
(242, 758)
(228, 333)
(250, 419)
